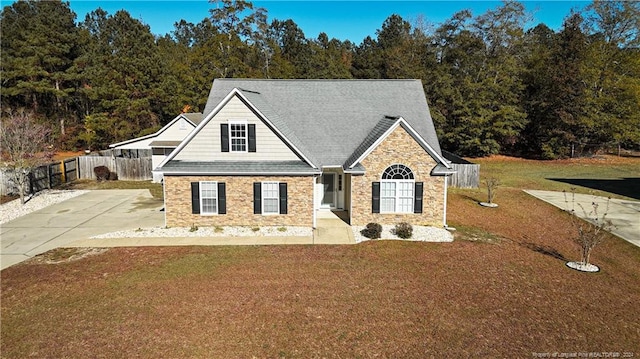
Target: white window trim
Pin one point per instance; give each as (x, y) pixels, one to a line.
(262, 198)
(397, 196)
(246, 135)
(202, 213)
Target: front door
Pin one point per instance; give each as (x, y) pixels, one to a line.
(328, 191)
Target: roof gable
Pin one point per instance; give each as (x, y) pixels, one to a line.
(237, 93)
(380, 132)
(191, 118)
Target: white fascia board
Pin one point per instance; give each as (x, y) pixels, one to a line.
(198, 128)
(145, 137)
(232, 173)
(401, 122)
(271, 125)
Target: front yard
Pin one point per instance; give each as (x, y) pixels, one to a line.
(501, 289)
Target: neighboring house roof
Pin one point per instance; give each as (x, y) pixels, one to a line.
(165, 143)
(193, 118)
(329, 120)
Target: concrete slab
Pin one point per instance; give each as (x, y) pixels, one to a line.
(78, 218)
(624, 214)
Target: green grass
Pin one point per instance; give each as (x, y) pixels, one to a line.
(609, 176)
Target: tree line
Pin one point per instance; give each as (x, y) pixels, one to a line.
(493, 85)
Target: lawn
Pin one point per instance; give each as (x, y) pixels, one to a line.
(499, 290)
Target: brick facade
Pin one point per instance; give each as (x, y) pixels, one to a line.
(398, 148)
(239, 196)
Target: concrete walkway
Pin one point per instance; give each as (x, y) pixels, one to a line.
(78, 218)
(624, 214)
(332, 230)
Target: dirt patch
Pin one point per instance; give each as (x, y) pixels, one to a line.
(65, 255)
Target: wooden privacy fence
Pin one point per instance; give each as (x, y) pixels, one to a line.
(46, 176)
(467, 174)
(128, 169)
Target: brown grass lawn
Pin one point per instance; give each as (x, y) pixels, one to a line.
(501, 290)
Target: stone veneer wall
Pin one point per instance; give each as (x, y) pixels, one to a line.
(239, 195)
(399, 147)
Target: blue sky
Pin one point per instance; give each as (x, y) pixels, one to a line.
(352, 20)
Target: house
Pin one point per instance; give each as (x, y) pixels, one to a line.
(275, 152)
(165, 140)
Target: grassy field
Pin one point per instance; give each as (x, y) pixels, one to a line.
(501, 289)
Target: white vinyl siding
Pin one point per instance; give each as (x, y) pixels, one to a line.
(208, 198)
(270, 198)
(205, 146)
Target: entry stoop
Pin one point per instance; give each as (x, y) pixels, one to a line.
(330, 229)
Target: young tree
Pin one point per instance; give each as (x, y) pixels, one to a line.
(591, 228)
(24, 146)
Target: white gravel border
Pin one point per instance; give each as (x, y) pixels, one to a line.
(420, 234)
(227, 231)
(14, 209)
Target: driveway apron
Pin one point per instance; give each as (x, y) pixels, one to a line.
(624, 214)
(81, 217)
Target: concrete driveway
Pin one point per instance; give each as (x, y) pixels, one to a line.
(624, 214)
(78, 218)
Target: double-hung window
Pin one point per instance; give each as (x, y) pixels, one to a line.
(238, 136)
(208, 197)
(397, 190)
(270, 198)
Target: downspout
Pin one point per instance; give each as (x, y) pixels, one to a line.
(313, 189)
(164, 200)
(444, 217)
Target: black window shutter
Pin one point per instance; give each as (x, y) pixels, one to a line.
(283, 198)
(222, 198)
(224, 136)
(375, 197)
(417, 203)
(195, 197)
(257, 198)
(252, 138)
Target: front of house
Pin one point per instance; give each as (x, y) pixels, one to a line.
(275, 152)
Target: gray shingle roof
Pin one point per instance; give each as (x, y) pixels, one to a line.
(165, 143)
(238, 168)
(381, 127)
(329, 120)
(195, 117)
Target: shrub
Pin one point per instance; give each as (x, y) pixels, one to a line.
(218, 229)
(193, 228)
(372, 230)
(255, 229)
(113, 176)
(403, 230)
(102, 173)
(282, 229)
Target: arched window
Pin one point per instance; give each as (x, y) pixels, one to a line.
(397, 190)
(397, 172)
